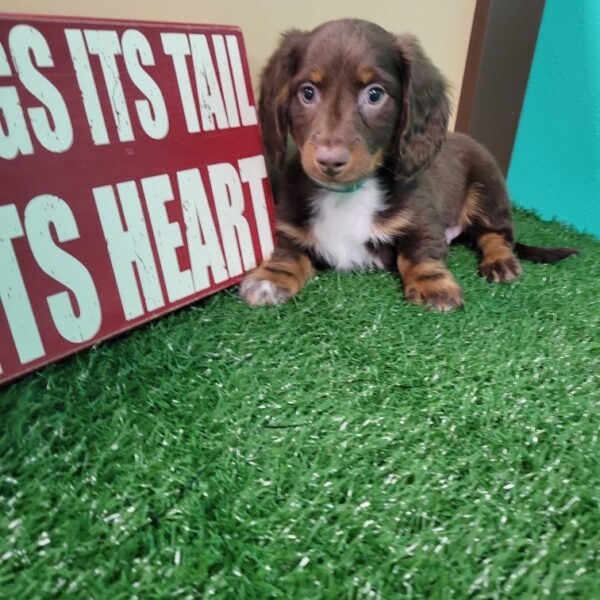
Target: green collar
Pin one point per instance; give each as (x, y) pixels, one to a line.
(341, 189)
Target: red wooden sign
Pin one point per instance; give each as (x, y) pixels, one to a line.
(132, 178)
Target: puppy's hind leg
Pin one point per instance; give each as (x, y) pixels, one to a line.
(487, 219)
(498, 262)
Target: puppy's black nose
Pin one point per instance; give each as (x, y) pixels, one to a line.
(332, 159)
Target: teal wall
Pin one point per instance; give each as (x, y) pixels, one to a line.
(555, 166)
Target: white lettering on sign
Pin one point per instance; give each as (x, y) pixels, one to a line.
(51, 123)
(217, 99)
(137, 53)
(235, 231)
(217, 102)
(26, 45)
(129, 245)
(177, 46)
(132, 245)
(247, 111)
(167, 236)
(253, 171)
(41, 213)
(162, 234)
(200, 231)
(13, 294)
(14, 139)
(85, 80)
(105, 44)
(209, 93)
(226, 82)
(152, 112)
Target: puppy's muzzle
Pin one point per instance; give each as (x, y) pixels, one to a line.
(331, 160)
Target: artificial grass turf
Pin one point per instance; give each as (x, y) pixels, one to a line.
(345, 445)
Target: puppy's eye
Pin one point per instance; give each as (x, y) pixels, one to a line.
(375, 94)
(308, 93)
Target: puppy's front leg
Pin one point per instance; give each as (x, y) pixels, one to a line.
(425, 277)
(278, 278)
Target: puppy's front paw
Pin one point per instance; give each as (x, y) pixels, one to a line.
(502, 270)
(276, 280)
(262, 292)
(441, 295)
(430, 283)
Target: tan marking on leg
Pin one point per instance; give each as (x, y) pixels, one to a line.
(472, 210)
(297, 270)
(276, 281)
(302, 237)
(389, 228)
(429, 282)
(498, 263)
(494, 247)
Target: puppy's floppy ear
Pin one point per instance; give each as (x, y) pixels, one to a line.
(275, 93)
(424, 111)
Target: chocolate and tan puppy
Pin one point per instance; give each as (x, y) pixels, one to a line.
(376, 182)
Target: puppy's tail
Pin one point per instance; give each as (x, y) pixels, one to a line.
(542, 255)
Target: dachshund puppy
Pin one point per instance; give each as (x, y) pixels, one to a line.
(376, 181)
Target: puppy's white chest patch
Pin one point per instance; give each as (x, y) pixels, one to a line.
(343, 224)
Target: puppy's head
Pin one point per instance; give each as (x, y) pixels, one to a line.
(353, 96)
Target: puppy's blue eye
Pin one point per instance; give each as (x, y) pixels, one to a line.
(308, 93)
(375, 94)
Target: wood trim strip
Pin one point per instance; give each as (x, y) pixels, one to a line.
(472, 66)
(501, 50)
